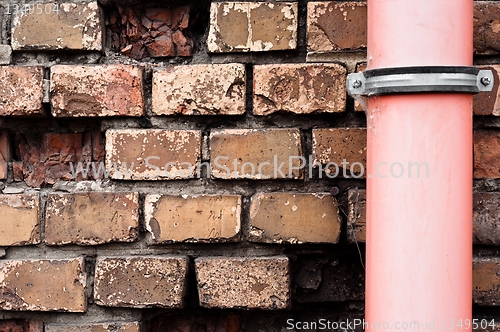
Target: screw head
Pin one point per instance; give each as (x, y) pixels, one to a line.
(485, 80)
(356, 84)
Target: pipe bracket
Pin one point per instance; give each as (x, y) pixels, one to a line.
(437, 79)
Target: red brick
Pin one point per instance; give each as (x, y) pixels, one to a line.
(52, 157)
(20, 219)
(5, 154)
(92, 218)
(299, 88)
(334, 145)
(199, 90)
(486, 281)
(152, 154)
(486, 154)
(21, 90)
(140, 282)
(43, 285)
(73, 26)
(486, 27)
(252, 26)
(101, 327)
(294, 218)
(239, 153)
(336, 26)
(17, 170)
(248, 283)
(90, 91)
(205, 218)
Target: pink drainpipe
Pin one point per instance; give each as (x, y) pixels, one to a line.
(419, 230)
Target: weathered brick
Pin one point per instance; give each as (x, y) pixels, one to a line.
(294, 218)
(5, 154)
(51, 26)
(140, 282)
(486, 27)
(338, 146)
(486, 222)
(17, 170)
(199, 90)
(43, 285)
(193, 218)
(299, 88)
(356, 218)
(153, 32)
(52, 156)
(249, 283)
(486, 154)
(21, 90)
(20, 219)
(21, 326)
(488, 103)
(91, 218)
(252, 26)
(104, 90)
(153, 154)
(336, 26)
(486, 281)
(256, 154)
(101, 327)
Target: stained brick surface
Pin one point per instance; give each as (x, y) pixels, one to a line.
(152, 154)
(55, 26)
(140, 282)
(250, 283)
(338, 146)
(43, 285)
(107, 90)
(336, 26)
(486, 154)
(252, 26)
(21, 91)
(193, 218)
(300, 89)
(486, 281)
(294, 218)
(256, 154)
(199, 90)
(92, 218)
(104, 327)
(20, 215)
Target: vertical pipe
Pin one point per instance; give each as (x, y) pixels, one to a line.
(419, 229)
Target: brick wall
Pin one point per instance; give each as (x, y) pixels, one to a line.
(171, 167)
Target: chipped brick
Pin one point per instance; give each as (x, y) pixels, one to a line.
(140, 282)
(204, 218)
(104, 90)
(336, 26)
(248, 283)
(43, 285)
(252, 26)
(199, 90)
(300, 89)
(70, 26)
(21, 90)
